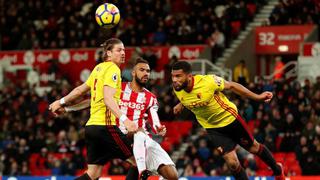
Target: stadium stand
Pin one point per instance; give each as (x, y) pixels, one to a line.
(32, 142)
(39, 24)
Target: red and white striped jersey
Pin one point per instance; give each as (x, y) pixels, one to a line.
(136, 104)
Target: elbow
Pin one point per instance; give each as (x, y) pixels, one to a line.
(107, 101)
(232, 86)
(78, 92)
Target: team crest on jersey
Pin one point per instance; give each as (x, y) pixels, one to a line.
(114, 77)
(217, 80)
(199, 95)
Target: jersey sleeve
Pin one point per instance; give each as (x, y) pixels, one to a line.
(216, 81)
(153, 117)
(89, 80)
(111, 76)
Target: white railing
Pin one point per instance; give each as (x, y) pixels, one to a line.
(290, 73)
(204, 66)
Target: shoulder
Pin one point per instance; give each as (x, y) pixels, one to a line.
(111, 67)
(124, 85)
(149, 93)
(203, 78)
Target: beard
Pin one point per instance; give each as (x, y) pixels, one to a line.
(140, 83)
(183, 86)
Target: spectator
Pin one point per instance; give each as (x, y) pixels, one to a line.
(241, 73)
(278, 68)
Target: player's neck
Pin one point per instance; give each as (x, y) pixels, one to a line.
(135, 86)
(109, 60)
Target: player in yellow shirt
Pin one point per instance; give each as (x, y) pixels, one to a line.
(202, 94)
(104, 139)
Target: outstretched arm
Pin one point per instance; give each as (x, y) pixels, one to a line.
(243, 91)
(73, 95)
(79, 106)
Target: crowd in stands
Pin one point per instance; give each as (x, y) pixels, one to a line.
(37, 24)
(296, 12)
(34, 142)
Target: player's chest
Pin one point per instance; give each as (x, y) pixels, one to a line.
(197, 98)
(134, 101)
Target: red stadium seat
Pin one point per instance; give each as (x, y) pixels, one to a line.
(105, 169)
(260, 163)
(236, 27)
(264, 172)
(295, 169)
(291, 157)
(251, 8)
(280, 157)
(166, 145)
(79, 172)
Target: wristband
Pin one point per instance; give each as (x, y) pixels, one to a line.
(123, 118)
(62, 101)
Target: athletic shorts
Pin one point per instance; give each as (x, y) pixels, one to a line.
(105, 143)
(226, 138)
(156, 156)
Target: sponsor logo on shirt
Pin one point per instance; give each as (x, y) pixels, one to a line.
(197, 104)
(132, 105)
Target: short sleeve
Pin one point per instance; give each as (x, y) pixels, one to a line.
(89, 80)
(217, 82)
(112, 76)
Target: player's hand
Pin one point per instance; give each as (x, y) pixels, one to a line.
(130, 126)
(55, 107)
(178, 109)
(265, 96)
(60, 111)
(161, 130)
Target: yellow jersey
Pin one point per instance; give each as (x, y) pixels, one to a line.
(104, 74)
(210, 106)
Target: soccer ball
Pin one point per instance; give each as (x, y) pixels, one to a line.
(107, 15)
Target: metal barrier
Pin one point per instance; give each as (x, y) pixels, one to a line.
(204, 66)
(290, 73)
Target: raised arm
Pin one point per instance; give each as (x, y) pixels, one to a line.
(79, 106)
(73, 95)
(243, 91)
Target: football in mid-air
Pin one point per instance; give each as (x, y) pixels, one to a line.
(107, 15)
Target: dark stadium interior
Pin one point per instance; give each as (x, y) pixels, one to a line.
(33, 142)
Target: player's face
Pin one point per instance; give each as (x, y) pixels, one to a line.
(141, 73)
(117, 54)
(179, 79)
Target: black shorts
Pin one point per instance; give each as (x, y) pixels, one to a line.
(105, 143)
(226, 138)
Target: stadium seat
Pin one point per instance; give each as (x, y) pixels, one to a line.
(251, 8)
(236, 27)
(264, 172)
(280, 157)
(260, 163)
(166, 145)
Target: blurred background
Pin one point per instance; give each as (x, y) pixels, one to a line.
(49, 47)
